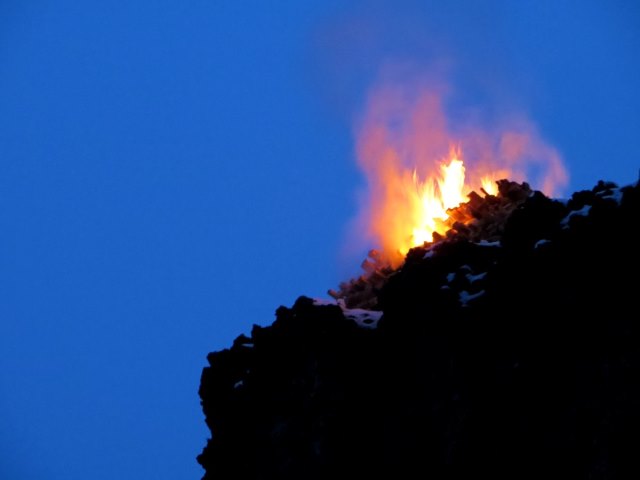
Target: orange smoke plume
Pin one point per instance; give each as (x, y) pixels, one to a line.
(417, 166)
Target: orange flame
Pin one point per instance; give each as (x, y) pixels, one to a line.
(433, 198)
(414, 175)
(488, 185)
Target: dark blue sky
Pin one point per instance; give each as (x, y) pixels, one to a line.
(171, 172)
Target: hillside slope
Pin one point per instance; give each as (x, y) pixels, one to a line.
(516, 356)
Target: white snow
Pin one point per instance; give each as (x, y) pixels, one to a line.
(465, 297)
(429, 254)
(238, 384)
(324, 301)
(541, 242)
(364, 318)
(615, 194)
(583, 212)
(450, 277)
(484, 243)
(475, 278)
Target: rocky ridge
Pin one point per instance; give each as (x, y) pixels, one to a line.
(509, 348)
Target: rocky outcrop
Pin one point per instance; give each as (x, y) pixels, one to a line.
(515, 355)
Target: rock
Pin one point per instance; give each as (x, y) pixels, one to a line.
(535, 377)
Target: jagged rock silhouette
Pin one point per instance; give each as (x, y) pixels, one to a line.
(512, 357)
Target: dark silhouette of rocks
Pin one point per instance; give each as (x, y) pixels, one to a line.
(514, 355)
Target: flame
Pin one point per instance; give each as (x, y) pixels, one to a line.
(489, 185)
(415, 176)
(434, 197)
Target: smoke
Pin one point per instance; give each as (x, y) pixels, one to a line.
(406, 128)
(407, 125)
(415, 79)
(351, 47)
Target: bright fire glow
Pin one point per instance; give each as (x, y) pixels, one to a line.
(433, 197)
(423, 204)
(489, 186)
(414, 175)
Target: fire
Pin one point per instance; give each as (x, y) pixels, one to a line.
(489, 185)
(434, 197)
(415, 177)
(424, 204)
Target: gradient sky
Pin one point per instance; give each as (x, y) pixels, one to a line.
(173, 171)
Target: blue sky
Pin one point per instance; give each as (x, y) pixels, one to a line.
(172, 172)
